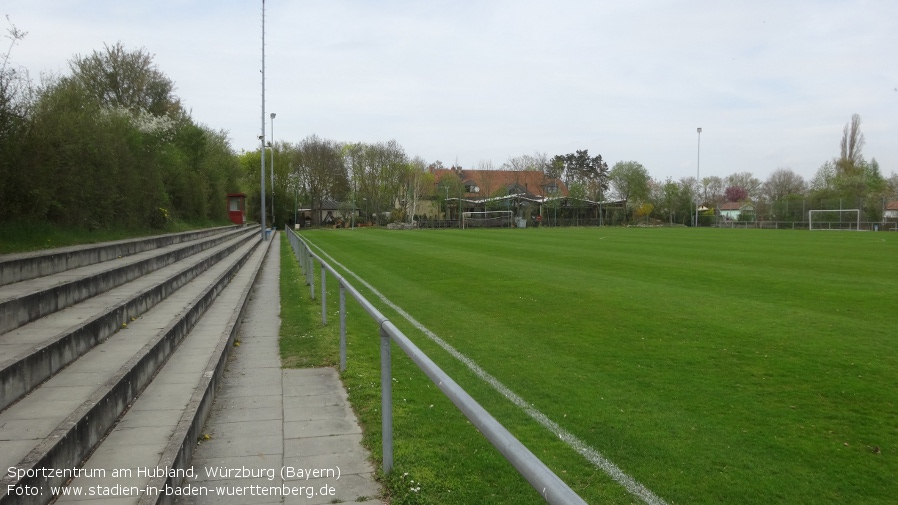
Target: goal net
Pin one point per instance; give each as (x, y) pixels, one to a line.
(839, 219)
(488, 219)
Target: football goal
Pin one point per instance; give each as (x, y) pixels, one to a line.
(488, 219)
(839, 219)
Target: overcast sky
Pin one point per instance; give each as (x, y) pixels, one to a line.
(770, 82)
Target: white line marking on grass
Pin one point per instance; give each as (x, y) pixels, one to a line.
(633, 486)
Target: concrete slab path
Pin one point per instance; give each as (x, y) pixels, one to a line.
(278, 435)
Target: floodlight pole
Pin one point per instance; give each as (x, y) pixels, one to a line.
(697, 180)
(273, 219)
(262, 137)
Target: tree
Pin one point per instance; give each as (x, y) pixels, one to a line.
(92, 166)
(280, 155)
(712, 189)
(785, 192)
(320, 170)
(118, 78)
(736, 194)
(849, 179)
(892, 185)
(668, 199)
(15, 89)
(747, 181)
(825, 177)
(688, 193)
(450, 186)
(630, 180)
(537, 161)
(82, 153)
(580, 168)
(386, 166)
(378, 176)
(16, 103)
(419, 183)
(850, 160)
(873, 190)
(782, 183)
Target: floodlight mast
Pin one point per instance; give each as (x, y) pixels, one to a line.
(262, 137)
(698, 161)
(273, 218)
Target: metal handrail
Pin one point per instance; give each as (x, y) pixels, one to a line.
(550, 486)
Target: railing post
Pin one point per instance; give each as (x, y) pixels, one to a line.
(323, 295)
(310, 271)
(342, 328)
(304, 262)
(386, 400)
(312, 276)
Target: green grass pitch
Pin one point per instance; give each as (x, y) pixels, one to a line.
(712, 366)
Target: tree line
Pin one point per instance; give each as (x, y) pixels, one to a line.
(110, 145)
(379, 179)
(847, 181)
(107, 145)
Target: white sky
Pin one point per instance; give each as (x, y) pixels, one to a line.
(771, 82)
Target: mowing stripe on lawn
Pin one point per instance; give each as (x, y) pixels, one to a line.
(592, 455)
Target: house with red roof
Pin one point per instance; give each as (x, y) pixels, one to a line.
(481, 184)
(734, 210)
(529, 194)
(891, 211)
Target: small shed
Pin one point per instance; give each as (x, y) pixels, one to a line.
(237, 208)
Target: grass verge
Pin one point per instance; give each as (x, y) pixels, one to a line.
(304, 341)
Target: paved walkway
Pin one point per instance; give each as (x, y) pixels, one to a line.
(276, 432)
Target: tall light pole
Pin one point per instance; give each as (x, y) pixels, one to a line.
(697, 168)
(293, 184)
(262, 137)
(273, 219)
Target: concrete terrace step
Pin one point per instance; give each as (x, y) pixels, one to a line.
(25, 266)
(34, 352)
(60, 422)
(23, 302)
(161, 427)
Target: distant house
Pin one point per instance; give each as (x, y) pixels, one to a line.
(479, 189)
(479, 184)
(891, 210)
(734, 210)
(528, 193)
